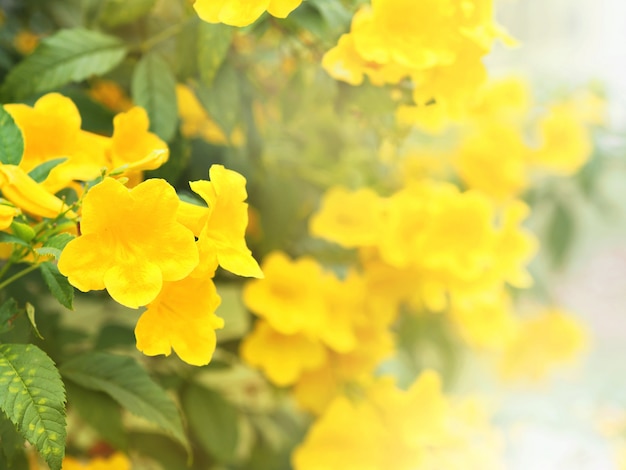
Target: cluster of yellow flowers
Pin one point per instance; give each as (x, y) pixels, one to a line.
(393, 428)
(316, 332)
(437, 44)
(242, 12)
(136, 239)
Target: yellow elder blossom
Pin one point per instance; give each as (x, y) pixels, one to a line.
(117, 461)
(242, 12)
(547, 340)
(111, 95)
(222, 237)
(131, 242)
(349, 218)
(181, 318)
(7, 213)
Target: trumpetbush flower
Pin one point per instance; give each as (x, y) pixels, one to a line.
(131, 242)
(242, 12)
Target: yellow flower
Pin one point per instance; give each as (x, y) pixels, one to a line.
(349, 218)
(283, 358)
(492, 159)
(565, 142)
(130, 242)
(550, 339)
(25, 41)
(133, 145)
(51, 130)
(222, 239)
(181, 318)
(117, 461)
(23, 191)
(6, 215)
(242, 12)
(289, 295)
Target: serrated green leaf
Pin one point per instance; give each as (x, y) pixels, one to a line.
(70, 55)
(11, 139)
(213, 44)
(223, 99)
(54, 245)
(130, 385)
(58, 284)
(119, 12)
(214, 421)
(154, 88)
(560, 235)
(9, 238)
(100, 412)
(33, 397)
(30, 313)
(7, 312)
(41, 172)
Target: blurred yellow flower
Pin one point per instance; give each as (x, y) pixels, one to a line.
(242, 12)
(550, 339)
(195, 121)
(182, 318)
(349, 218)
(25, 41)
(111, 95)
(281, 357)
(222, 238)
(7, 213)
(130, 242)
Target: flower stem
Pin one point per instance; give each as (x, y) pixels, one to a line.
(18, 275)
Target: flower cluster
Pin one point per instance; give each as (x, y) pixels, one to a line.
(419, 428)
(432, 42)
(315, 331)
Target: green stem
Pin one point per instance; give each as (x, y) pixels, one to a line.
(5, 268)
(164, 35)
(16, 276)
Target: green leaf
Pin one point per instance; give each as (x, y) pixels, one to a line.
(130, 385)
(159, 448)
(7, 313)
(213, 420)
(213, 44)
(33, 397)
(41, 172)
(58, 284)
(70, 55)
(154, 88)
(54, 245)
(223, 99)
(118, 12)
(11, 140)
(30, 313)
(11, 443)
(560, 235)
(9, 238)
(100, 411)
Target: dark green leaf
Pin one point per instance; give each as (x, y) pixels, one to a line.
(100, 411)
(11, 140)
(33, 397)
(154, 88)
(560, 235)
(130, 385)
(213, 44)
(112, 335)
(118, 12)
(214, 421)
(11, 443)
(41, 172)
(58, 284)
(223, 99)
(7, 313)
(70, 55)
(160, 448)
